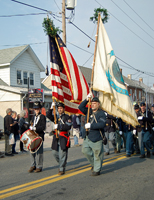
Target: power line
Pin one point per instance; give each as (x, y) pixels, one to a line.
(87, 60)
(8, 45)
(18, 15)
(143, 72)
(139, 16)
(57, 5)
(81, 31)
(148, 73)
(132, 20)
(30, 5)
(127, 27)
(80, 48)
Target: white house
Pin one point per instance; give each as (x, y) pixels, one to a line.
(16, 66)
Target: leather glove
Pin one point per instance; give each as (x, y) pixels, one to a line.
(134, 132)
(55, 126)
(87, 126)
(52, 105)
(153, 128)
(89, 96)
(140, 117)
(120, 132)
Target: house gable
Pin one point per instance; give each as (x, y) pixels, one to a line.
(21, 59)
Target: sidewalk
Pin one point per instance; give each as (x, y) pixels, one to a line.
(47, 143)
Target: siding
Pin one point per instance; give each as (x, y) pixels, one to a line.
(25, 63)
(5, 74)
(8, 96)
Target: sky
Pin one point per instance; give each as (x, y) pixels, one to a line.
(130, 29)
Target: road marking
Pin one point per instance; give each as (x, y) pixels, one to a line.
(54, 178)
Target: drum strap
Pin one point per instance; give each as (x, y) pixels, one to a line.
(36, 119)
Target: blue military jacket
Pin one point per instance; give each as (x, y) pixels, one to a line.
(94, 132)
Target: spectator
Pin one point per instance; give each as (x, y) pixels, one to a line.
(22, 128)
(15, 131)
(7, 131)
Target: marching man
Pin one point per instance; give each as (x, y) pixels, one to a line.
(39, 125)
(94, 130)
(61, 143)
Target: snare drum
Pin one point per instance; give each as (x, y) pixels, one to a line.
(31, 140)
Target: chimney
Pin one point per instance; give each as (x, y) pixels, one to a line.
(121, 70)
(129, 76)
(141, 80)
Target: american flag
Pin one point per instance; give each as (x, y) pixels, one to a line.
(68, 83)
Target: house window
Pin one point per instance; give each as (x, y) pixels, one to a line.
(25, 79)
(19, 81)
(31, 79)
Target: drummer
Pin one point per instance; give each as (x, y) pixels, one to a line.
(38, 125)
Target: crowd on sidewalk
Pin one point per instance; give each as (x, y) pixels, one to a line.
(119, 133)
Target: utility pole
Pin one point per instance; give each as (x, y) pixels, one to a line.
(63, 22)
(28, 102)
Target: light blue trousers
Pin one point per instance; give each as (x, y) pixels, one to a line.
(61, 157)
(110, 137)
(93, 151)
(37, 158)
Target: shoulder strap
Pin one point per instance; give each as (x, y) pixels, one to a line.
(99, 130)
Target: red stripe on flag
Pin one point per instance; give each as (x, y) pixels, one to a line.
(64, 83)
(66, 64)
(55, 72)
(76, 70)
(57, 84)
(57, 96)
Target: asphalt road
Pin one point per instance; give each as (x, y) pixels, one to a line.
(121, 178)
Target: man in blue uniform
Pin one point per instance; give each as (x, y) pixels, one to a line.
(60, 144)
(110, 133)
(94, 130)
(152, 124)
(144, 119)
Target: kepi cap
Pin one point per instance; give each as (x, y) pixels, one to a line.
(142, 104)
(136, 106)
(37, 105)
(60, 105)
(95, 99)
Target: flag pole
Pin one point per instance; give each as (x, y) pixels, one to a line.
(92, 74)
(55, 119)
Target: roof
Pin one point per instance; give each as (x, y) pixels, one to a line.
(23, 90)
(132, 83)
(2, 82)
(87, 73)
(145, 87)
(8, 56)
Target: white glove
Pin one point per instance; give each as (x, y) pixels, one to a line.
(87, 125)
(140, 117)
(106, 113)
(32, 128)
(134, 132)
(120, 132)
(52, 105)
(55, 126)
(153, 128)
(89, 96)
